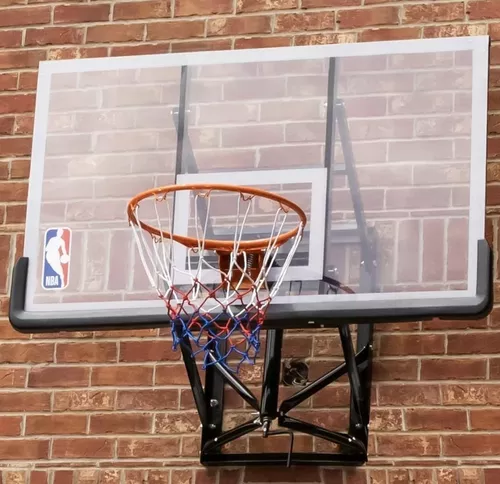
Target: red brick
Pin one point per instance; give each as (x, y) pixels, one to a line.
(148, 399)
(471, 394)
(394, 370)
(6, 125)
(186, 477)
(56, 424)
(8, 332)
(383, 420)
(8, 81)
(160, 475)
(330, 397)
(491, 476)
(12, 377)
(16, 103)
(81, 13)
(171, 375)
(26, 352)
(141, 9)
(255, 24)
(438, 12)
(262, 42)
(84, 400)
(122, 375)
(82, 448)
(27, 80)
(470, 444)
(330, 3)
(399, 33)
(283, 474)
(121, 423)
(495, 368)
(15, 214)
(25, 16)
(260, 5)
(24, 449)
(24, 124)
(169, 423)
(5, 251)
(297, 22)
(473, 343)
(454, 30)
(54, 36)
(139, 476)
(201, 45)
(366, 17)
(407, 445)
(115, 33)
(412, 344)
(175, 29)
(202, 7)
(142, 49)
(20, 169)
(5, 175)
(10, 38)
(147, 351)
(495, 54)
(63, 477)
(297, 347)
(86, 352)
(483, 9)
(39, 477)
(453, 368)
(325, 38)
(411, 395)
(159, 447)
(58, 376)
(10, 426)
(435, 419)
(485, 419)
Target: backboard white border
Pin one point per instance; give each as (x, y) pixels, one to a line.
(478, 45)
(316, 177)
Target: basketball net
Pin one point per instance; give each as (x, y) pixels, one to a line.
(216, 291)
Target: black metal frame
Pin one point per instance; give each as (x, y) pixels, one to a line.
(210, 405)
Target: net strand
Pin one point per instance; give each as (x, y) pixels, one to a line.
(221, 319)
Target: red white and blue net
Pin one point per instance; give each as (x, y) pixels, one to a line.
(216, 292)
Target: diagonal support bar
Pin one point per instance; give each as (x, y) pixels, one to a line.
(321, 382)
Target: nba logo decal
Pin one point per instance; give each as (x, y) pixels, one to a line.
(56, 258)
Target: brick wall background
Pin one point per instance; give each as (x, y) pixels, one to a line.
(114, 407)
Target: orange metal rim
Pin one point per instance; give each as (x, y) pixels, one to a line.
(212, 244)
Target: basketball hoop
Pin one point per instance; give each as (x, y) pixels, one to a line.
(216, 290)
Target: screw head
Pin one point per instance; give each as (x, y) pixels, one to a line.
(214, 402)
(211, 426)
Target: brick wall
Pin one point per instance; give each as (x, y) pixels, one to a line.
(115, 407)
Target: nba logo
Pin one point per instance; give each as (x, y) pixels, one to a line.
(56, 258)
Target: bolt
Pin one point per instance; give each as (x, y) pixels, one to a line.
(358, 425)
(214, 402)
(211, 426)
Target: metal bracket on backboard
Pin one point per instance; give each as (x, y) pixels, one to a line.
(209, 402)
